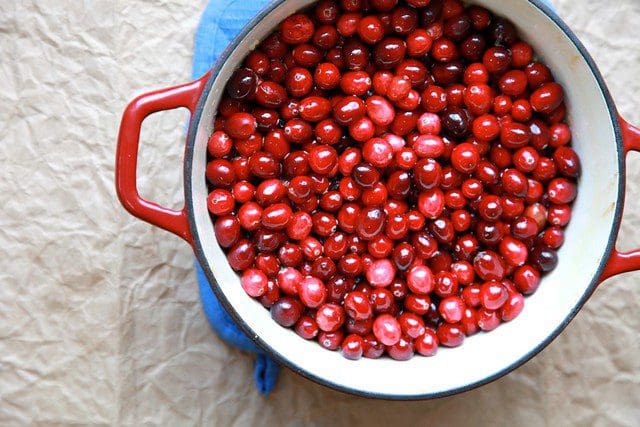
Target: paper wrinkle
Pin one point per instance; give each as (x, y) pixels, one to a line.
(100, 318)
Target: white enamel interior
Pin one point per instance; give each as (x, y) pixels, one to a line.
(485, 354)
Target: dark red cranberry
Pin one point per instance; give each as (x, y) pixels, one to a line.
(456, 122)
(286, 311)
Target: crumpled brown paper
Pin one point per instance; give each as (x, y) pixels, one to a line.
(100, 321)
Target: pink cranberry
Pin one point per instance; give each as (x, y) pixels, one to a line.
(387, 329)
(330, 317)
(420, 280)
(381, 273)
(451, 309)
(312, 292)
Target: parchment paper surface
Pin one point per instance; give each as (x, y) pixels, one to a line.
(100, 321)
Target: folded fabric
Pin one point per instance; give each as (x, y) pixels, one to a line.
(219, 24)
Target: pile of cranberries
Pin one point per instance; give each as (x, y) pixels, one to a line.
(390, 177)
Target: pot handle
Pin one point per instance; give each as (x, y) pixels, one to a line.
(185, 95)
(622, 262)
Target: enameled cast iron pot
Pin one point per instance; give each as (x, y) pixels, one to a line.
(600, 137)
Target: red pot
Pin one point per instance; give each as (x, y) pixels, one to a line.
(588, 257)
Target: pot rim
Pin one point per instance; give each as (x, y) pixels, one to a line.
(271, 351)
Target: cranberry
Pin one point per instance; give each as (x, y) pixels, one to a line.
(418, 304)
(270, 94)
(402, 350)
(254, 282)
(456, 122)
(227, 230)
(242, 84)
(220, 202)
(372, 348)
(348, 110)
(378, 152)
(496, 60)
(286, 311)
(381, 273)
(526, 279)
(559, 215)
(561, 191)
(488, 319)
(330, 340)
(307, 327)
(451, 309)
(420, 280)
(330, 317)
(379, 110)
(465, 157)
(296, 29)
(512, 307)
(544, 258)
(352, 347)
(450, 335)
(489, 265)
(547, 97)
(427, 173)
(418, 43)
(493, 295)
(357, 306)
(386, 329)
(427, 343)
(370, 222)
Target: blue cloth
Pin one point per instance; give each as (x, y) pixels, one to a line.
(219, 24)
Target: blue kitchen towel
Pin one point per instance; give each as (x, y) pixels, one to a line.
(219, 24)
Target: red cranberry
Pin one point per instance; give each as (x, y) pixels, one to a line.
(513, 307)
(379, 110)
(452, 309)
(561, 191)
(488, 319)
(420, 280)
(456, 122)
(288, 280)
(378, 152)
(227, 230)
(493, 295)
(389, 52)
(372, 348)
(450, 335)
(307, 327)
(352, 347)
(544, 258)
(286, 311)
(330, 317)
(547, 97)
(427, 343)
(297, 29)
(381, 273)
(489, 265)
(312, 292)
(330, 340)
(370, 222)
(402, 350)
(357, 306)
(348, 110)
(526, 279)
(386, 329)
